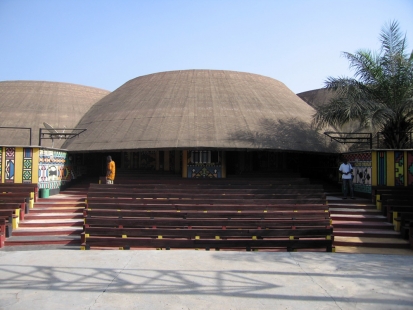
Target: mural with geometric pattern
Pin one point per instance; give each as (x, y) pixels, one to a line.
(398, 168)
(27, 165)
(362, 170)
(52, 169)
(10, 165)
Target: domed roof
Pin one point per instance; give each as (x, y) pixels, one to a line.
(31, 103)
(199, 109)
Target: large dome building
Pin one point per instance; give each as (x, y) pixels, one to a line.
(192, 121)
(199, 109)
(29, 104)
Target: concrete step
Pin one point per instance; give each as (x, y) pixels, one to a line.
(49, 231)
(353, 211)
(42, 205)
(50, 216)
(352, 206)
(358, 217)
(378, 233)
(78, 199)
(362, 225)
(52, 222)
(57, 210)
(42, 240)
(371, 242)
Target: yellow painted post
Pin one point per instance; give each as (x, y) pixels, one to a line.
(394, 219)
(35, 165)
(378, 203)
(390, 168)
(18, 164)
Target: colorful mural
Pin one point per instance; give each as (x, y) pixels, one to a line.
(27, 165)
(362, 171)
(204, 171)
(53, 173)
(10, 165)
(398, 168)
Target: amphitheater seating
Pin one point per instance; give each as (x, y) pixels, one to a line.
(397, 204)
(208, 214)
(16, 199)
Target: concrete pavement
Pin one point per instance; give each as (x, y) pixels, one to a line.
(189, 279)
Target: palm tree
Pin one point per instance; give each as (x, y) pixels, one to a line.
(380, 95)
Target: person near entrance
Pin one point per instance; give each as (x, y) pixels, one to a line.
(347, 177)
(110, 170)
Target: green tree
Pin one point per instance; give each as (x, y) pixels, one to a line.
(380, 95)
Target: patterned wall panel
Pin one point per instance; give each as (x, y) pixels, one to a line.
(27, 165)
(381, 168)
(52, 169)
(399, 168)
(10, 165)
(204, 171)
(409, 168)
(362, 171)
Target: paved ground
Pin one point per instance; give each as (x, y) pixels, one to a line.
(66, 279)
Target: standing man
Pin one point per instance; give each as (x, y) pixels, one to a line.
(110, 170)
(347, 177)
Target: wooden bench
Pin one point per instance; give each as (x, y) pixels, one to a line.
(204, 214)
(12, 220)
(23, 197)
(198, 214)
(210, 233)
(128, 204)
(9, 203)
(19, 187)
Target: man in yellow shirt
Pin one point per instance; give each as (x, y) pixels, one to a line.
(110, 170)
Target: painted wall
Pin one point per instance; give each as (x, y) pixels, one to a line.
(362, 170)
(383, 168)
(18, 164)
(55, 169)
(48, 168)
(201, 170)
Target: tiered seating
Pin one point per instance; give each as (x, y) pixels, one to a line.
(15, 201)
(397, 204)
(208, 214)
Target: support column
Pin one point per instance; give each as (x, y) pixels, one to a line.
(177, 162)
(184, 164)
(166, 161)
(157, 160)
(224, 164)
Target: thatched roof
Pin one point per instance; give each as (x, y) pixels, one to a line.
(30, 103)
(316, 97)
(199, 109)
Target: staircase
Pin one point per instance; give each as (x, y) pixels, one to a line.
(57, 220)
(359, 227)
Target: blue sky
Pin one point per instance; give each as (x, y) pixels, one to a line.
(105, 43)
